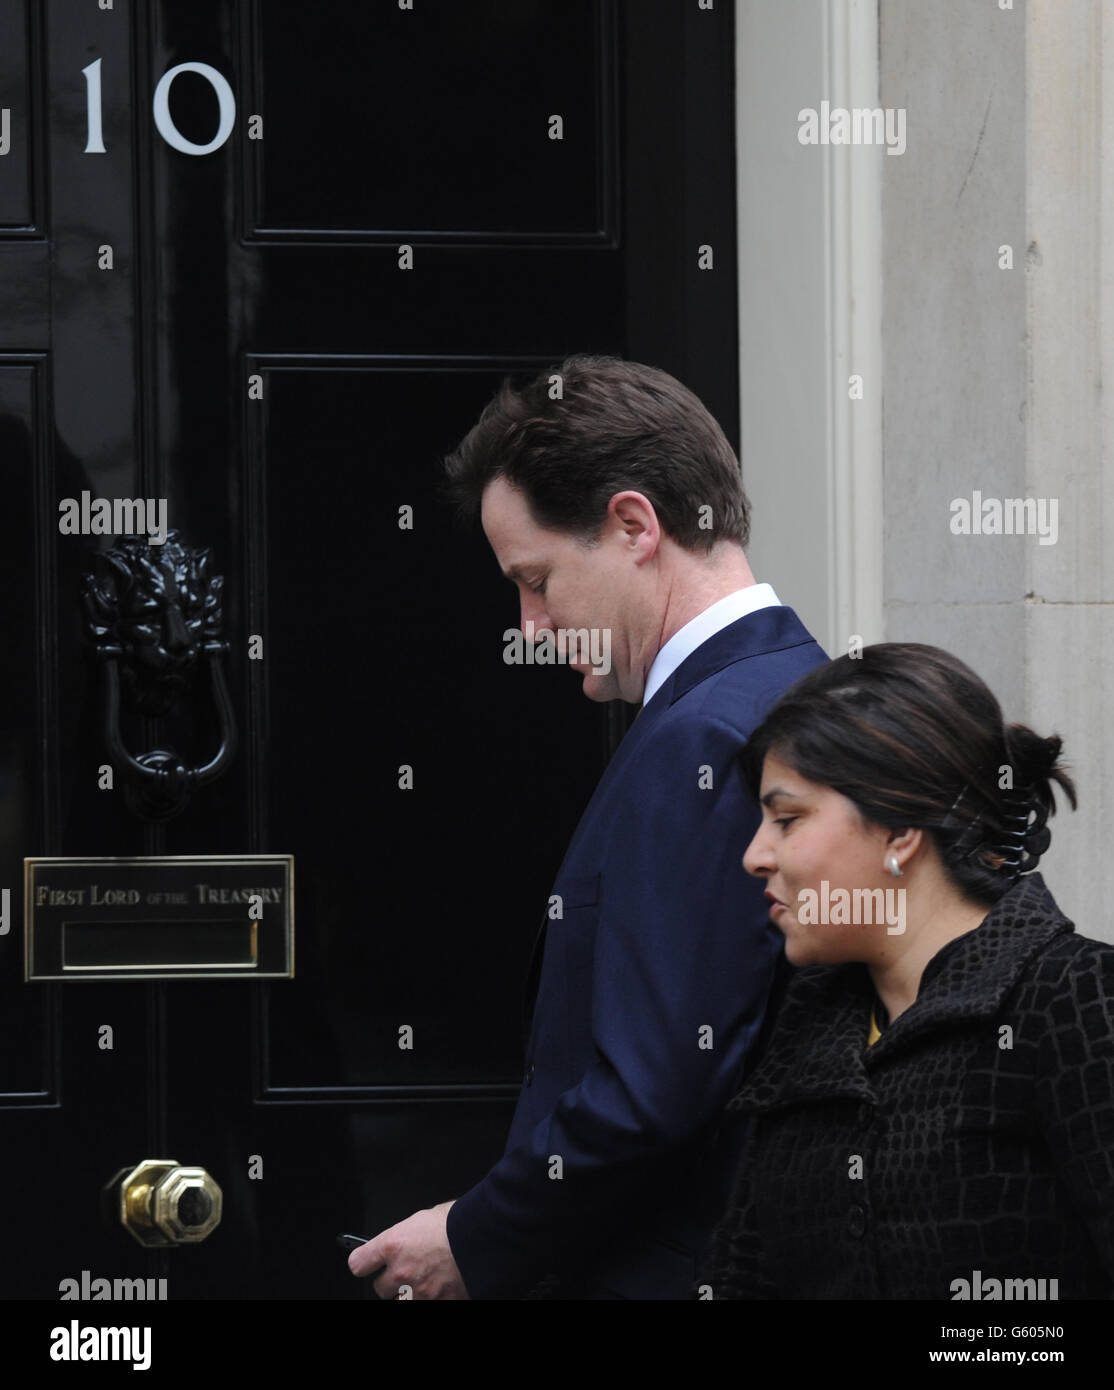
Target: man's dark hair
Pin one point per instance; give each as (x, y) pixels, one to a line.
(615, 426)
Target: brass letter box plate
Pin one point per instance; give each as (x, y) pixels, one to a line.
(175, 918)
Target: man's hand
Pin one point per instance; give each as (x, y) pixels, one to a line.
(416, 1254)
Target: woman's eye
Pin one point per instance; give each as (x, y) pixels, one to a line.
(539, 587)
(785, 820)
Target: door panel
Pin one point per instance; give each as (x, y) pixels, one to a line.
(256, 351)
(433, 125)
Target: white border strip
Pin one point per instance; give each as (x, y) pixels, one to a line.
(852, 327)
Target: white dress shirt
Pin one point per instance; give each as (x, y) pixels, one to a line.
(685, 640)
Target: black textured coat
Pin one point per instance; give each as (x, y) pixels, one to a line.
(979, 1150)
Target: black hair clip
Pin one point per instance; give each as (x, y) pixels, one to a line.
(1015, 827)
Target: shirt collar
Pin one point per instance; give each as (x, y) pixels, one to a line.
(685, 640)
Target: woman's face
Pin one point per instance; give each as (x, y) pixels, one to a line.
(811, 844)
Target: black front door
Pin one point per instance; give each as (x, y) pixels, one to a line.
(264, 262)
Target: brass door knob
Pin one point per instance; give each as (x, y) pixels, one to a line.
(162, 1203)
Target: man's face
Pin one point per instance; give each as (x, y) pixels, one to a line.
(563, 583)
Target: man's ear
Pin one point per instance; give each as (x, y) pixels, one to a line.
(633, 513)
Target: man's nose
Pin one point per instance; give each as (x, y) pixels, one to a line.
(534, 611)
(758, 859)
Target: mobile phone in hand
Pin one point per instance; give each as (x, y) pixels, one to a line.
(350, 1243)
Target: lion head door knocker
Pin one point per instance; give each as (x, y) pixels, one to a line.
(154, 616)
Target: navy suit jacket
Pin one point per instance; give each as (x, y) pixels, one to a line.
(658, 961)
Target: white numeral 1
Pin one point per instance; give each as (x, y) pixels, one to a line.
(95, 142)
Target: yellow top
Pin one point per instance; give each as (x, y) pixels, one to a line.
(875, 1032)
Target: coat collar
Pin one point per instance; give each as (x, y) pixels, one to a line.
(818, 1047)
(766, 630)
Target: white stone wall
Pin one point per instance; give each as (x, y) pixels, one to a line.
(993, 377)
(984, 379)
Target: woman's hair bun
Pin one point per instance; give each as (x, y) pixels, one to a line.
(1035, 765)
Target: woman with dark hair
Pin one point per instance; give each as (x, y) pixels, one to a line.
(933, 1114)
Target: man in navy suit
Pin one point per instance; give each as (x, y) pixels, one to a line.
(614, 503)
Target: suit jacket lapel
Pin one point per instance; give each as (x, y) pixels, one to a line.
(754, 634)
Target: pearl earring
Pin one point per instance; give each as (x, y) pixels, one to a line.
(893, 866)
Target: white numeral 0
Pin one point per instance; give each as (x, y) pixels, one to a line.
(164, 123)
(170, 132)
